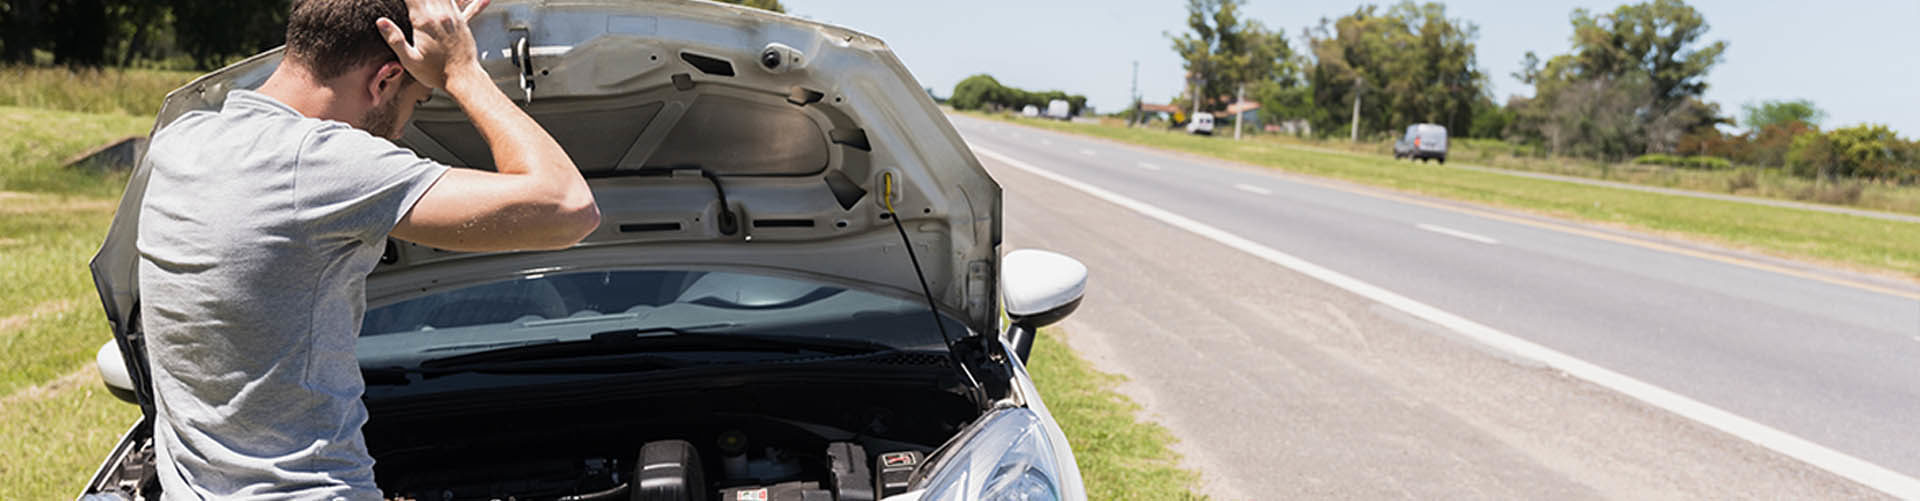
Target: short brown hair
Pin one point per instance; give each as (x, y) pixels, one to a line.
(332, 37)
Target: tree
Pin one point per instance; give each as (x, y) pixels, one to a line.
(1657, 39)
(975, 92)
(1631, 84)
(982, 92)
(244, 27)
(24, 21)
(1409, 64)
(769, 5)
(1771, 113)
(1226, 52)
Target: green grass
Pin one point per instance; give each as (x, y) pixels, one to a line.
(1849, 241)
(1120, 456)
(59, 421)
(53, 440)
(1742, 180)
(110, 91)
(35, 142)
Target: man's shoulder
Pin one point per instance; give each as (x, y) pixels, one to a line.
(200, 129)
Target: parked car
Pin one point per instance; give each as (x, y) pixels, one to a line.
(1059, 109)
(1030, 111)
(1202, 124)
(745, 313)
(1422, 142)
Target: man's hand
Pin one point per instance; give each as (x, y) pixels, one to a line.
(442, 45)
(535, 198)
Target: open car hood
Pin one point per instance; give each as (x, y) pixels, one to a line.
(800, 124)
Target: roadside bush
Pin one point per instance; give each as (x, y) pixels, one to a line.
(1839, 193)
(1862, 151)
(1743, 179)
(1693, 162)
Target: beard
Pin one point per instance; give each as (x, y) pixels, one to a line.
(384, 120)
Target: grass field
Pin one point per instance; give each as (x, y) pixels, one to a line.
(1744, 180)
(109, 91)
(1120, 457)
(1847, 241)
(59, 420)
(34, 143)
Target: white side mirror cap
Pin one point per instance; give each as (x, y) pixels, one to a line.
(1037, 284)
(113, 370)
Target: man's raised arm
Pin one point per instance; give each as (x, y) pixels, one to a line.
(536, 200)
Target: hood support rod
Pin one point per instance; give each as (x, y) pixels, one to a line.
(933, 309)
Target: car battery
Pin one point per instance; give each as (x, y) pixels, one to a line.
(894, 471)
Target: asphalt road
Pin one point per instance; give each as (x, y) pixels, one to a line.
(1281, 382)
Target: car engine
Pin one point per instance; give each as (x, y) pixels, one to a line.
(752, 442)
(676, 470)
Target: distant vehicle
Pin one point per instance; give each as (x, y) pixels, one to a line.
(1202, 124)
(1058, 109)
(1422, 142)
(1030, 111)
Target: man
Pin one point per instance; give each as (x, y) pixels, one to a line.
(262, 221)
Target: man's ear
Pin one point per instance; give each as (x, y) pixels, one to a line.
(386, 82)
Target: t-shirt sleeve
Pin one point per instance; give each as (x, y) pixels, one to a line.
(351, 184)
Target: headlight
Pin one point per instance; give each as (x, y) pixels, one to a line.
(1009, 458)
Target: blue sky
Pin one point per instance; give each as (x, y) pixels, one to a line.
(1858, 60)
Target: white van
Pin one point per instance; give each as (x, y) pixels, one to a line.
(1201, 124)
(1059, 109)
(1422, 142)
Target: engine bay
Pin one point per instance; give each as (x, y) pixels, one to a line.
(764, 443)
(768, 464)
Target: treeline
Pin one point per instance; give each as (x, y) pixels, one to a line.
(983, 92)
(1629, 85)
(197, 34)
(201, 34)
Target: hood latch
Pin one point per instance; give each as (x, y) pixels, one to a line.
(523, 59)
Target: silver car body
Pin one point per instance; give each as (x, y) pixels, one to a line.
(815, 133)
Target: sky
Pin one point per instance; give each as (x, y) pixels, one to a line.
(1859, 60)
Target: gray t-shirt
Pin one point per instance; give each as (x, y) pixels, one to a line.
(258, 230)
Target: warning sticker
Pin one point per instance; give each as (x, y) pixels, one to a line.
(752, 495)
(897, 459)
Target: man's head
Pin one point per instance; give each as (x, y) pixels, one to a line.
(337, 46)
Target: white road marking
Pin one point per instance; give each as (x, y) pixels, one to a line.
(1149, 166)
(1253, 189)
(1456, 233)
(1045, 141)
(1086, 152)
(1875, 476)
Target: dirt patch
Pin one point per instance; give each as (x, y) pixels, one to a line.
(43, 390)
(11, 322)
(14, 202)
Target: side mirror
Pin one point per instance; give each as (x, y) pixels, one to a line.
(1040, 288)
(113, 370)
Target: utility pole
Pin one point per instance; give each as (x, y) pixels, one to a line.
(1133, 118)
(1239, 97)
(1197, 84)
(1357, 81)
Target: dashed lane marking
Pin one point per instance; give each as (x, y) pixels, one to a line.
(1456, 233)
(1253, 189)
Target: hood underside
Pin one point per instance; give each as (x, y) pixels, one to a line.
(670, 107)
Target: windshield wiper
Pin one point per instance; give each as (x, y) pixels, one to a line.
(651, 340)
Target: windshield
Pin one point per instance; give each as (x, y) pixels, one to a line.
(575, 306)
